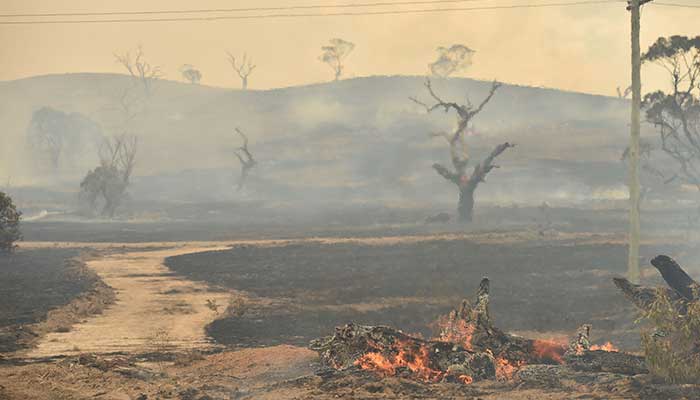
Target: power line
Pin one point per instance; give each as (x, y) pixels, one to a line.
(225, 10)
(296, 15)
(675, 5)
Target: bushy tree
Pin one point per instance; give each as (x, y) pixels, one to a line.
(451, 59)
(675, 112)
(334, 55)
(59, 137)
(191, 74)
(9, 223)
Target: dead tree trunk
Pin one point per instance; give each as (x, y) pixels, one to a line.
(680, 283)
(675, 277)
(246, 159)
(459, 156)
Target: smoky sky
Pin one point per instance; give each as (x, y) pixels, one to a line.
(578, 48)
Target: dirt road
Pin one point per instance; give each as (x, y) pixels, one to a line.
(153, 308)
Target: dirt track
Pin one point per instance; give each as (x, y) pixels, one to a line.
(153, 308)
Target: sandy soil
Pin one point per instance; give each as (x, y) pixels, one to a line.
(153, 308)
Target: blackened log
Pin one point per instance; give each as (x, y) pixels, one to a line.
(361, 346)
(607, 361)
(674, 276)
(643, 297)
(471, 326)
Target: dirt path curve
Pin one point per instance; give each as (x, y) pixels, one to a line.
(153, 307)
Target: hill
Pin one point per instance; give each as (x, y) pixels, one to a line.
(356, 140)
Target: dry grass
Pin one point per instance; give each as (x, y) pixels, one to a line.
(673, 348)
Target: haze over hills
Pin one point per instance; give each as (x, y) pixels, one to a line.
(357, 140)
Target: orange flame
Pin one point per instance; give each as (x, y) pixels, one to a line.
(466, 379)
(605, 347)
(459, 331)
(505, 370)
(415, 359)
(549, 350)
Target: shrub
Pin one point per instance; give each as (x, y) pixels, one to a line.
(9, 223)
(673, 349)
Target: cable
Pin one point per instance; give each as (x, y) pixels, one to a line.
(337, 14)
(223, 10)
(673, 5)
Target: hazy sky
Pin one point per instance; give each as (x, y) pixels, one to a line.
(582, 48)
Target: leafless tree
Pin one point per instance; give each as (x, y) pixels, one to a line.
(624, 94)
(139, 68)
(246, 159)
(243, 69)
(451, 59)
(467, 183)
(108, 182)
(191, 74)
(335, 54)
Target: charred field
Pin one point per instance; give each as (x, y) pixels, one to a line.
(298, 292)
(275, 296)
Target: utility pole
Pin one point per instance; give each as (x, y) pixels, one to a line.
(633, 176)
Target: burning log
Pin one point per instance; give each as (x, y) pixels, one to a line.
(391, 352)
(585, 357)
(468, 348)
(471, 327)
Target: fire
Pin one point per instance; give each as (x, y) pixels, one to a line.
(605, 347)
(505, 369)
(415, 359)
(549, 350)
(466, 379)
(457, 331)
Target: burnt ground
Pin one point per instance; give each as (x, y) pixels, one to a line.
(32, 282)
(304, 290)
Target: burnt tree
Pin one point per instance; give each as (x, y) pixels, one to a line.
(243, 69)
(465, 182)
(138, 68)
(246, 159)
(108, 182)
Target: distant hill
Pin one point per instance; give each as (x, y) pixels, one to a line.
(356, 140)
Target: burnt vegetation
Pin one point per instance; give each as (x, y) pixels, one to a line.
(459, 155)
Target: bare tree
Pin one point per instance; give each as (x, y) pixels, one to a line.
(246, 159)
(139, 68)
(466, 183)
(107, 184)
(624, 94)
(243, 69)
(451, 59)
(335, 53)
(191, 74)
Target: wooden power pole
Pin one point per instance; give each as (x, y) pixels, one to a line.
(634, 227)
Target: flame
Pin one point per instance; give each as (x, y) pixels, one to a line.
(457, 331)
(605, 347)
(505, 369)
(549, 350)
(415, 359)
(466, 379)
